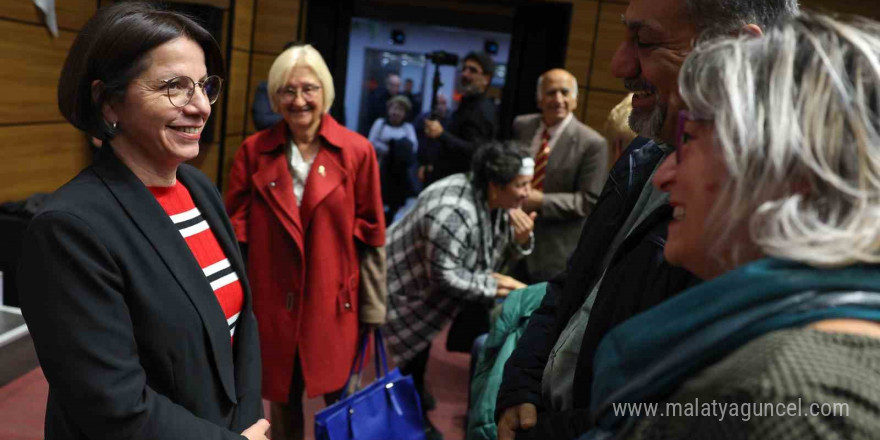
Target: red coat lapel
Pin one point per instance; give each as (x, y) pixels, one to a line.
(272, 179)
(326, 174)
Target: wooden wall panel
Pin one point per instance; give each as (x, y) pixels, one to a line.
(237, 92)
(232, 145)
(71, 14)
(207, 160)
(276, 23)
(32, 62)
(610, 33)
(867, 8)
(581, 111)
(260, 65)
(599, 105)
(244, 24)
(40, 158)
(580, 40)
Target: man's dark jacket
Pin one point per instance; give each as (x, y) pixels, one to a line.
(637, 278)
(472, 125)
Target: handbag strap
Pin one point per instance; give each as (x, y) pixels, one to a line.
(360, 359)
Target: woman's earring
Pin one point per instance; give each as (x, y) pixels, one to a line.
(114, 124)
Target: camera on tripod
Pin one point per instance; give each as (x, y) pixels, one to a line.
(443, 58)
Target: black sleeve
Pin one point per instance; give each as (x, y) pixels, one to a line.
(568, 424)
(73, 300)
(475, 129)
(521, 382)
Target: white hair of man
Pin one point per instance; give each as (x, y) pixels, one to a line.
(300, 56)
(574, 86)
(796, 121)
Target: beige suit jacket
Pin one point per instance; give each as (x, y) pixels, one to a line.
(576, 172)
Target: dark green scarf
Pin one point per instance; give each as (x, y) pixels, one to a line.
(647, 357)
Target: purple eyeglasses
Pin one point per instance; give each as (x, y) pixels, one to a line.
(683, 117)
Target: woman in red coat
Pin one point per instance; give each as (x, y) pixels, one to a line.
(305, 202)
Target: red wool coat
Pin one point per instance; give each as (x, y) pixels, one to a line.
(302, 263)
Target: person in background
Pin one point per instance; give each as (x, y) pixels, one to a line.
(472, 125)
(617, 269)
(617, 130)
(305, 202)
(428, 148)
(414, 98)
(776, 189)
(570, 168)
(377, 100)
(131, 282)
(393, 126)
(449, 249)
(261, 110)
(396, 145)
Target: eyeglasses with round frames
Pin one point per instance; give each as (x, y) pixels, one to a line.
(181, 89)
(681, 137)
(308, 92)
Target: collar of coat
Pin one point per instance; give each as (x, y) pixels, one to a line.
(330, 130)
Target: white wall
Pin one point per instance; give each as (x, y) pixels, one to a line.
(372, 34)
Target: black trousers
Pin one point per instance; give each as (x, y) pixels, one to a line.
(287, 419)
(416, 368)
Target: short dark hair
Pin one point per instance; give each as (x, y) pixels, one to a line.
(498, 163)
(112, 48)
(715, 18)
(484, 60)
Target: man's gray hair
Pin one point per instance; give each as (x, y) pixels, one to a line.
(797, 124)
(715, 18)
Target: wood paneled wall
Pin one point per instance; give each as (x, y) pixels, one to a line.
(261, 29)
(41, 150)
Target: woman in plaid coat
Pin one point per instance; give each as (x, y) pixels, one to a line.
(449, 247)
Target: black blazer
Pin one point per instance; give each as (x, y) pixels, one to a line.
(127, 329)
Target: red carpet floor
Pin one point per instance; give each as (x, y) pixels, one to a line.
(23, 401)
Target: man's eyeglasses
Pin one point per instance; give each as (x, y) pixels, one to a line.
(681, 137)
(308, 92)
(180, 90)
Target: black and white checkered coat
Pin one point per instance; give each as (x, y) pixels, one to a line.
(442, 251)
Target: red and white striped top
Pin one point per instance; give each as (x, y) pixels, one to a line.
(178, 204)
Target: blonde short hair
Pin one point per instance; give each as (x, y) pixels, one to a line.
(300, 56)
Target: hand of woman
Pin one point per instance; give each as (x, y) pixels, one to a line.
(506, 284)
(523, 224)
(257, 431)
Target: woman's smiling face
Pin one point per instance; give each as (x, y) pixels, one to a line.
(302, 112)
(164, 135)
(694, 184)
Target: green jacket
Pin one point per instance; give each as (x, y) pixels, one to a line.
(503, 336)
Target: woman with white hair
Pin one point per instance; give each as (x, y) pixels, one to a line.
(776, 196)
(305, 203)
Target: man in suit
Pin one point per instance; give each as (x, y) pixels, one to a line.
(571, 165)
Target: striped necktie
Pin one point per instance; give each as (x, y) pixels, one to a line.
(541, 161)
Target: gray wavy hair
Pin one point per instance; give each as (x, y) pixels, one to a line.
(797, 125)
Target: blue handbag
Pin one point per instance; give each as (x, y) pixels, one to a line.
(387, 409)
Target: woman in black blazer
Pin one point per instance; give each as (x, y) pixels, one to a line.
(132, 284)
